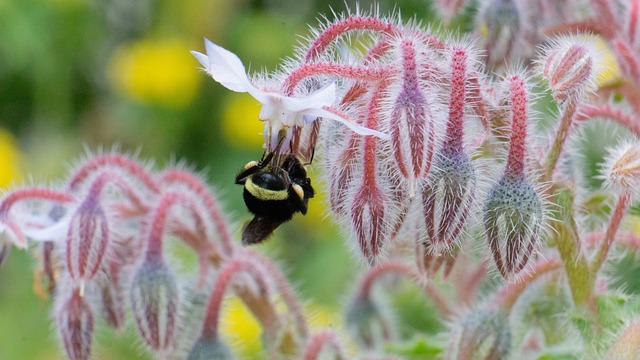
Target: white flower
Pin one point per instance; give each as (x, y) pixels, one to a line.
(25, 225)
(279, 111)
(11, 235)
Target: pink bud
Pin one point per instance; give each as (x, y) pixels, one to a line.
(112, 298)
(87, 240)
(75, 326)
(411, 123)
(569, 67)
(154, 303)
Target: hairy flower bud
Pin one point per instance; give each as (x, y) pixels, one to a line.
(626, 346)
(367, 323)
(480, 334)
(500, 24)
(569, 67)
(112, 300)
(209, 348)
(411, 123)
(154, 302)
(621, 169)
(87, 240)
(513, 217)
(75, 326)
(513, 213)
(447, 198)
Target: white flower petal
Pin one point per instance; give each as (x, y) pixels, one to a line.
(359, 129)
(11, 235)
(323, 97)
(226, 68)
(53, 232)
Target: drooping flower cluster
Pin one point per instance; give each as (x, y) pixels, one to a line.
(408, 98)
(426, 148)
(104, 255)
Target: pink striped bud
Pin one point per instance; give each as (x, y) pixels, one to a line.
(411, 123)
(513, 212)
(450, 188)
(87, 240)
(569, 65)
(112, 299)
(75, 326)
(447, 198)
(154, 303)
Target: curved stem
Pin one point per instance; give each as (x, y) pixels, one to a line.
(32, 194)
(196, 185)
(117, 161)
(614, 223)
(509, 294)
(226, 274)
(347, 71)
(608, 111)
(561, 136)
(320, 340)
(339, 28)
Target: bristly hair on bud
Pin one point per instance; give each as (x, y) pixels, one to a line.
(570, 64)
(449, 190)
(513, 214)
(621, 168)
(75, 322)
(154, 303)
(500, 24)
(481, 333)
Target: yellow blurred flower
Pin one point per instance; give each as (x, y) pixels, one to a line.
(322, 317)
(156, 71)
(240, 124)
(10, 159)
(239, 328)
(610, 70)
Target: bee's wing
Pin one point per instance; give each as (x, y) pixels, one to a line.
(258, 229)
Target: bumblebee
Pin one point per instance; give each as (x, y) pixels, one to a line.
(275, 188)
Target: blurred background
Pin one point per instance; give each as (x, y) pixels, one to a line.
(91, 74)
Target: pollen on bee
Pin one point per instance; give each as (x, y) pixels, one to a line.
(251, 164)
(298, 189)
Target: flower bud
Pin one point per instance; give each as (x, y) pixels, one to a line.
(112, 299)
(367, 323)
(626, 346)
(87, 240)
(447, 197)
(480, 334)
(500, 24)
(569, 67)
(411, 124)
(209, 348)
(513, 218)
(154, 303)
(621, 169)
(75, 326)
